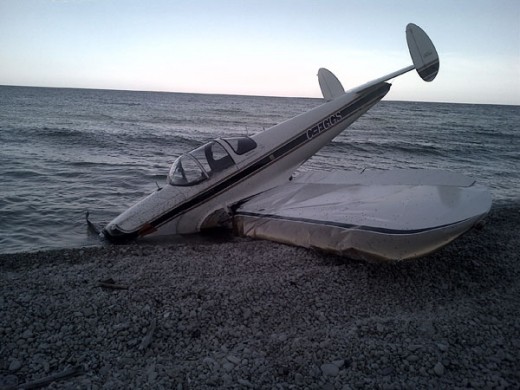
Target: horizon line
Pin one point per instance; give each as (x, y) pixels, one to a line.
(245, 95)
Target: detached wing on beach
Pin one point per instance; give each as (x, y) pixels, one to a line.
(372, 215)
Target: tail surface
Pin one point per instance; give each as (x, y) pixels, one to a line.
(424, 57)
(330, 86)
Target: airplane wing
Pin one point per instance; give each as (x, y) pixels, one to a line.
(372, 215)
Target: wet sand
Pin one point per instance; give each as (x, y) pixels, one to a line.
(255, 314)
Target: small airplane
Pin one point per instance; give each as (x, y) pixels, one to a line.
(231, 179)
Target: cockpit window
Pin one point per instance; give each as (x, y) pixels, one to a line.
(213, 157)
(199, 164)
(241, 145)
(185, 171)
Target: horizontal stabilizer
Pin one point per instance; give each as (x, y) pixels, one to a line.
(424, 55)
(330, 86)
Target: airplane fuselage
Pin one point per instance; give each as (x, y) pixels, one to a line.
(180, 208)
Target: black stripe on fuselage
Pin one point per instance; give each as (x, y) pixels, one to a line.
(291, 145)
(346, 225)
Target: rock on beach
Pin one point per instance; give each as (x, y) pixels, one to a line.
(240, 313)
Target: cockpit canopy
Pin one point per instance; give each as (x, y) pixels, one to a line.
(203, 162)
(240, 145)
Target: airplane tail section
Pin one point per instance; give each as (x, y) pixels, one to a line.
(424, 56)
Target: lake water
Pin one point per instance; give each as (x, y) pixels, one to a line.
(64, 151)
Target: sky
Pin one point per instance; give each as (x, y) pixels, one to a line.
(261, 47)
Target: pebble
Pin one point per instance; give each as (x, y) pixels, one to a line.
(342, 322)
(329, 369)
(233, 359)
(8, 381)
(228, 366)
(442, 347)
(210, 362)
(414, 347)
(245, 383)
(227, 379)
(439, 369)
(15, 365)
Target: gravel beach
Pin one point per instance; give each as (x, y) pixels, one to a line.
(254, 314)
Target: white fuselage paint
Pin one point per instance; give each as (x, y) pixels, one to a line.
(280, 151)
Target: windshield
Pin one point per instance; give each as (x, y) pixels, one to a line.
(185, 171)
(200, 164)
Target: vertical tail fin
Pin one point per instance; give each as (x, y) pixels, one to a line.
(330, 86)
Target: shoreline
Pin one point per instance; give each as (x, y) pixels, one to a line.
(218, 237)
(255, 314)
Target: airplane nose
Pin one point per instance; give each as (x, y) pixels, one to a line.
(115, 235)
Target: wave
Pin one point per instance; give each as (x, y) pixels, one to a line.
(129, 104)
(67, 151)
(410, 148)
